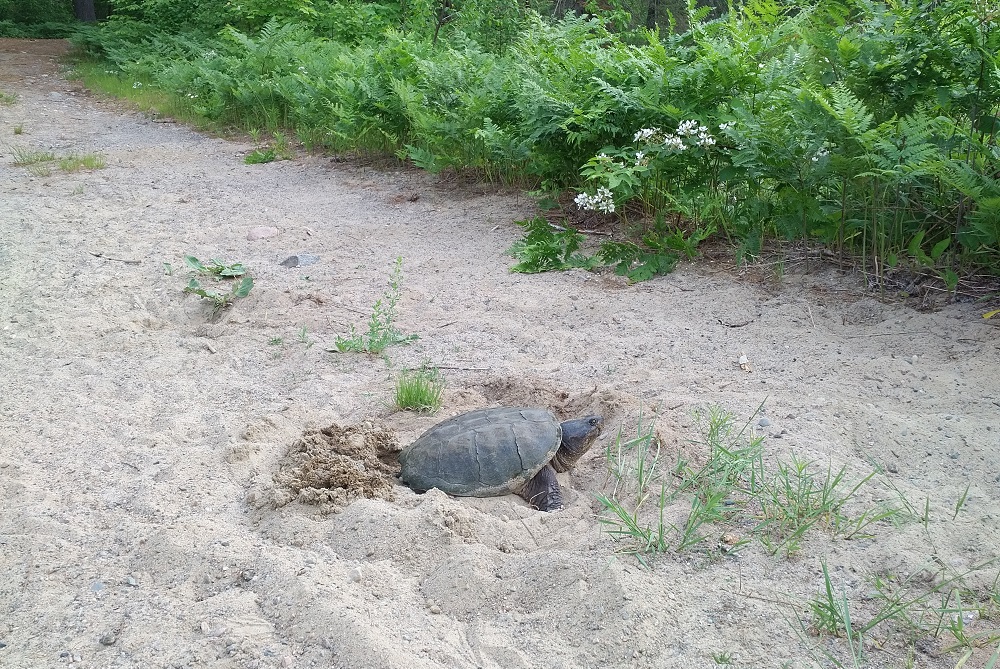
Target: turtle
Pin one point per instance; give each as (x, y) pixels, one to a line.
(498, 451)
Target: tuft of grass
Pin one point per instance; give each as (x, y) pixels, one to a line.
(24, 157)
(420, 390)
(19, 129)
(7, 98)
(382, 331)
(87, 161)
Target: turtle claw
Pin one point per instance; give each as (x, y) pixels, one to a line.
(542, 491)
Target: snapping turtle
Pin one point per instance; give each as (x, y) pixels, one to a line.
(490, 452)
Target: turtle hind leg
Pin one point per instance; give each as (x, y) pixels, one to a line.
(542, 491)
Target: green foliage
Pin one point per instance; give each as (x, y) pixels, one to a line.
(258, 156)
(544, 249)
(220, 300)
(857, 124)
(382, 331)
(419, 389)
(7, 98)
(217, 270)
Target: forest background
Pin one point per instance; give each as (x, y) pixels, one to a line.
(868, 127)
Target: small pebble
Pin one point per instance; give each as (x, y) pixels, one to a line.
(763, 422)
(435, 609)
(354, 575)
(953, 455)
(108, 638)
(892, 467)
(299, 260)
(96, 586)
(131, 581)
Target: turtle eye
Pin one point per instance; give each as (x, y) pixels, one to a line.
(595, 421)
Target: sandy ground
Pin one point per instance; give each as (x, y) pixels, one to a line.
(142, 524)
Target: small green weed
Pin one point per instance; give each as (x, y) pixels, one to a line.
(304, 337)
(7, 98)
(382, 331)
(219, 271)
(282, 147)
(19, 129)
(258, 156)
(419, 390)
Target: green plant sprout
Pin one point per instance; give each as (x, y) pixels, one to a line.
(382, 331)
(219, 271)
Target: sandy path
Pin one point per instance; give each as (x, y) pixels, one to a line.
(139, 436)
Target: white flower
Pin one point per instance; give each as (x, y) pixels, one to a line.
(137, 84)
(639, 155)
(601, 201)
(727, 125)
(822, 153)
(687, 128)
(674, 142)
(645, 133)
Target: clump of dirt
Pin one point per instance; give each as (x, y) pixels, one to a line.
(334, 466)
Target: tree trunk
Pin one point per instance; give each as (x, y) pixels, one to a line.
(84, 10)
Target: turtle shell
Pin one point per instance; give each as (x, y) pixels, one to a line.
(482, 453)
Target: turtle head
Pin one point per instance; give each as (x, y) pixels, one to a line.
(578, 436)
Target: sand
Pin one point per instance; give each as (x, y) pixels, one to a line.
(149, 445)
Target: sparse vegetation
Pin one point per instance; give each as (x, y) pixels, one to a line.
(40, 163)
(7, 98)
(734, 494)
(382, 331)
(419, 389)
(87, 161)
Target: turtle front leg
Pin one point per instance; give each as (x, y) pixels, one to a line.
(542, 491)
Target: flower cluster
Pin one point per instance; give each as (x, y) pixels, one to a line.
(688, 133)
(822, 153)
(699, 132)
(601, 201)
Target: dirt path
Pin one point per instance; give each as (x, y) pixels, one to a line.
(139, 437)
